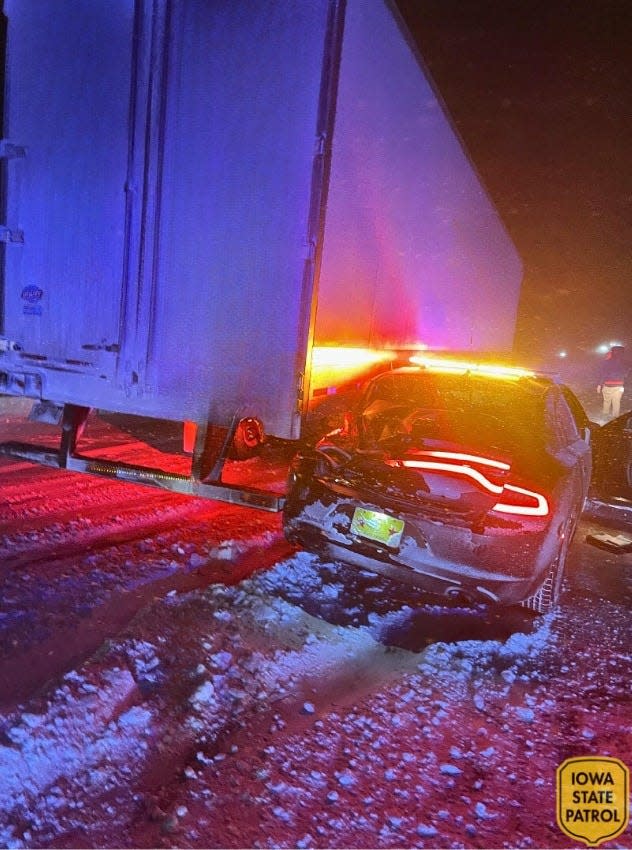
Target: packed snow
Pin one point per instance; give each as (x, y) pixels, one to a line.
(280, 729)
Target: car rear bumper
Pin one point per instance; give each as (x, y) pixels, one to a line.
(441, 559)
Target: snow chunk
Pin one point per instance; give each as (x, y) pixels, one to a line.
(135, 718)
(346, 779)
(426, 831)
(526, 714)
(205, 695)
(450, 770)
(481, 812)
(196, 560)
(282, 814)
(222, 660)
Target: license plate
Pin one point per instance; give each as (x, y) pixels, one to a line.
(376, 526)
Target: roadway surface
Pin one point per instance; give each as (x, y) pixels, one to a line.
(250, 695)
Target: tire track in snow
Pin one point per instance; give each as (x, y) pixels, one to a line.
(81, 555)
(228, 664)
(63, 599)
(67, 534)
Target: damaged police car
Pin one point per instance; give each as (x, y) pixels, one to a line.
(466, 480)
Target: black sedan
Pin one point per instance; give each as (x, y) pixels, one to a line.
(612, 476)
(467, 481)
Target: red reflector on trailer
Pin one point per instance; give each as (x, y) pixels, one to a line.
(188, 437)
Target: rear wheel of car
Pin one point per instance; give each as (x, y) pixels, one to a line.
(547, 596)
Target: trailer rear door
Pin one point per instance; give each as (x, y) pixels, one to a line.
(66, 178)
(246, 113)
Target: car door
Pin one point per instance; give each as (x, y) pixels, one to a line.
(571, 433)
(585, 429)
(612, 445)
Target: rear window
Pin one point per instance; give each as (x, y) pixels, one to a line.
(506, 414)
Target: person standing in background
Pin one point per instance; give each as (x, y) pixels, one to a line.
(612, 381)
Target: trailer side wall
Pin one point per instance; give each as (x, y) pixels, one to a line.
(412, 240)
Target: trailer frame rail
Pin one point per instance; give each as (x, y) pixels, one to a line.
(210, 453)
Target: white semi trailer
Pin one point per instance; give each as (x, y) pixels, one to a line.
(205, 200)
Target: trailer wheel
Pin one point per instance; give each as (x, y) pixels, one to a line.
(248, 438)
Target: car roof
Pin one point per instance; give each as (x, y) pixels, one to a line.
(537, 382)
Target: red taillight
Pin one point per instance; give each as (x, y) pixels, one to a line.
(459, 469)
(488, 473)
(518, 500)
(476, 459)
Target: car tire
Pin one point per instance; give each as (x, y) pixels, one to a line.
(547, 596)
(248, 439)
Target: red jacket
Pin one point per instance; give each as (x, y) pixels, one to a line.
(614, 370)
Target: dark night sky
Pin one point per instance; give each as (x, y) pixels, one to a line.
(541, 95)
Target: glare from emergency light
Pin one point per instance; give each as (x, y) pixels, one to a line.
(562, 354)
(348, 357)
(462, 366)
(603, 348)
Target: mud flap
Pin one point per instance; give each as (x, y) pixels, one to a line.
(212, 446)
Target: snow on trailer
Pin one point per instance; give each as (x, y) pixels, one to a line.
(200, 202)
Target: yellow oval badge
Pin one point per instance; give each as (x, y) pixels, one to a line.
(593, 798)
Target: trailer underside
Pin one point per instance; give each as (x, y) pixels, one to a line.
(210, 452)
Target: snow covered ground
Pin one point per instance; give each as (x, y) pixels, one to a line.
(227, 717)
(173, 674)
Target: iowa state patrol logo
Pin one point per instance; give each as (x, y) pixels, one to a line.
(593, 799)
